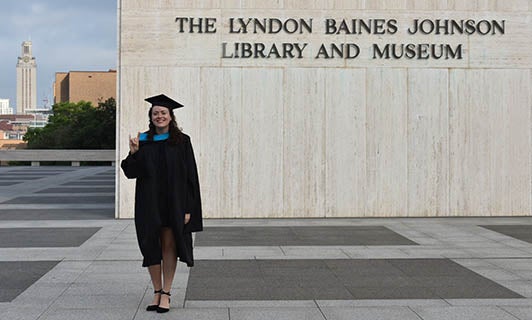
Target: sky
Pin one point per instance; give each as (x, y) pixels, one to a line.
(66, 35)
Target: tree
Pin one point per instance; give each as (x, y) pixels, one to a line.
(76, 126)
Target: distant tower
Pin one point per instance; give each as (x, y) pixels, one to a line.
(26, 80)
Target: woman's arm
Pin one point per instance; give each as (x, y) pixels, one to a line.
(130, 165)
(193, 203)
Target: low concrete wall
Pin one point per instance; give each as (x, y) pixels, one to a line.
(75, 156)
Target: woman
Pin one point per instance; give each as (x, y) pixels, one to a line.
(167, 197)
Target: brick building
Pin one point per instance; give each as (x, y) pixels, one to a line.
(93, 86)
(13, 127)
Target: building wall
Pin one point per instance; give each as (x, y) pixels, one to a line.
(10, 144)
(338, 137)
(93, 86)
(61, 87)
(4, 107)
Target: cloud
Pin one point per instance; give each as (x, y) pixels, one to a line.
(66, 35)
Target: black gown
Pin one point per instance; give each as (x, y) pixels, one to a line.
(167, 187)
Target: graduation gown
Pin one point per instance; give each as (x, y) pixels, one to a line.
(178, 178)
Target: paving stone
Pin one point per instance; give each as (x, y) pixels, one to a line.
(251, 304)
(364, 267)
(115, 313)
(17, 276)
(115, 267)
(522, 313)
(462, 313)
(78, 190)
(315, 252)
(512, 264)
(392, 293)
(61, 199)
(89, 183)
(34, 254)
(10, 183)
(205, 253)
(376, 253)
(57, 214)
(521, 232)
(247, 293)
(475, 263)
(119, 254)
(97, 302)
(36, 172)
(275, 313)
(339, 280)
(54, 170)
(476, 292)
(522, 274)
(381, 303)
(450, 252)
(40, 295)
(393, 281)
(44, 237)
(490, 302)
(179, 313)
(20, 177)
(300, 236)
(99, 177)
(498, 253)
(521, 287)
(106, 288)
(113, 278)
(427, 267)
(369, 313)
(29, 312)
(55, 206)
(497, 274)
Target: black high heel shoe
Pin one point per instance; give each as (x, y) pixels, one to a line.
(153, 307)
(164, 310)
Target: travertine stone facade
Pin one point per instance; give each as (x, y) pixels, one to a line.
(339, 137)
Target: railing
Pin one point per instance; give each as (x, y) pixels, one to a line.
(35, 156)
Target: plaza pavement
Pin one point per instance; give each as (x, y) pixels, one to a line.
(64, 256)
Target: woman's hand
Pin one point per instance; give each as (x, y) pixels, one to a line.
(187, 218)
(134, 144)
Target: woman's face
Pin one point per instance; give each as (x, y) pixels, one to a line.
(160, 116)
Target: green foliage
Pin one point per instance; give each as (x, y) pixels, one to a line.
(76, 126)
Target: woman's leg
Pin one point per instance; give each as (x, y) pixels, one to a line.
(169, 263)
(155, 275)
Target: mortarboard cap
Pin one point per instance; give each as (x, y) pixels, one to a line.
(164, 101)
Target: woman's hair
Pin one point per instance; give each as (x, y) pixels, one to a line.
(176, 134)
